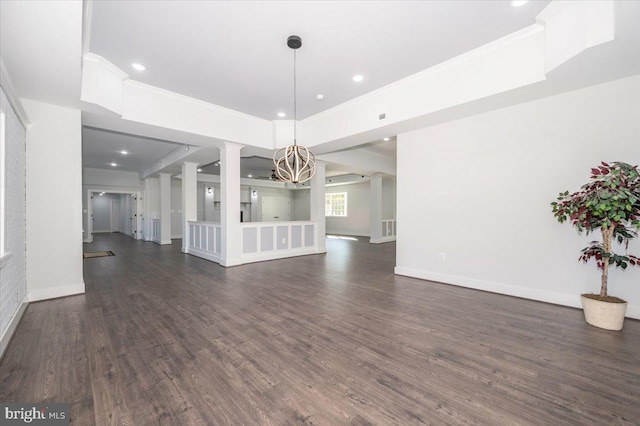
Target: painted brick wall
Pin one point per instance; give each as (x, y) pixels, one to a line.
(13, 277)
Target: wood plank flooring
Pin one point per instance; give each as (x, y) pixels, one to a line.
(165, 338)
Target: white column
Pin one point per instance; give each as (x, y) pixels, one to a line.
(230, 204)
(146, 210)
(317, 205)
(189, 200)
(375, 208)
(139, 215)
(165, 208)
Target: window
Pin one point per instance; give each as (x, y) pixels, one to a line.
(335, 204)
(3, 172)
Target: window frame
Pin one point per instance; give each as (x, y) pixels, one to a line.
(329, 196)
(3, 186)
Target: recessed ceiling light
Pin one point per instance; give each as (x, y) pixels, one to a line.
(249, 175)
(216, 164)
(358, 78)
(385, 139)
(518, 3)
(124, 152)
(199, 170)
(282, 114)
(101, 194)
(319, 96)
(137, 66)
(113, 164)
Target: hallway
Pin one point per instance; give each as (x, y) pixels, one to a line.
(162, 337)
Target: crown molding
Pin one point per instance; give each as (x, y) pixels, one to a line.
(12, 95)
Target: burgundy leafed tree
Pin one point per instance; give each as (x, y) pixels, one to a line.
(610, 202)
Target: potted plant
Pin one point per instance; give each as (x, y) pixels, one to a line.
(610, 203)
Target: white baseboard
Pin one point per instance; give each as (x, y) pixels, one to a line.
(176, 237)
(55, 292)
(382, 240)
(349, 234)
(252, 258)
(278, 254)
(633, 311)
(162, 242)
(13, 325)
(230, 262)
(203, 255)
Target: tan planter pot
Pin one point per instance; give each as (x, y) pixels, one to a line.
(609, 316)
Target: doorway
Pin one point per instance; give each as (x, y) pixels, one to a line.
(112, 211)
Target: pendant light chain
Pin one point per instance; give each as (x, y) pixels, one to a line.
(294, 163)
(295, 101)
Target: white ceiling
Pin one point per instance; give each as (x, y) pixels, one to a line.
(234, 53)
(101, 148)
(43, 68)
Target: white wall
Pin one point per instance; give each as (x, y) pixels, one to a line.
(479, 189)
(54, 201)
(13, 275)
(263, 191)
(388, 198)
(301, 205)
(357, 220)
(200, 188)
(211, 209)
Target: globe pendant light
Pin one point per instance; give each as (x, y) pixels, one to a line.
(295, 163)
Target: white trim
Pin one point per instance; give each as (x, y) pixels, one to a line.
(105, 64)
(203, 254)
(13, 325)
(55, 292)
(382, 240)
(10, 92)
(5, 258)
(3, 188)
(87, 15)
(278, 254)
(230, 262)
(442, 66)
(349, 234)
(633, 311)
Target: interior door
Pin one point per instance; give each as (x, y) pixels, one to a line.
(134, 217)
(115, 215)
(276, 209)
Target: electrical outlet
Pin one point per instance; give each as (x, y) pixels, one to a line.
(284, 241)
(442, 256)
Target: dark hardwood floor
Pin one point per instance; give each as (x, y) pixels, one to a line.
(165, 338)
